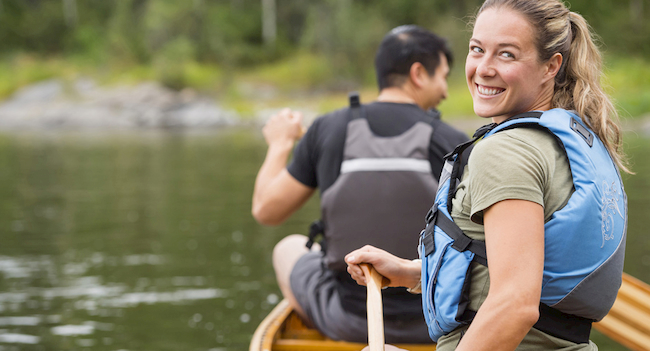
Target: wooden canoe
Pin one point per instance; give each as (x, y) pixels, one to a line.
(282, 330)
(627, 323)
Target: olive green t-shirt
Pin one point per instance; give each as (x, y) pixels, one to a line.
(522, 164)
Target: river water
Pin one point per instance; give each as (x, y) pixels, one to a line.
(144, 241)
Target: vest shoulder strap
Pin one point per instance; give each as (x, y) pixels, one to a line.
(355, 106)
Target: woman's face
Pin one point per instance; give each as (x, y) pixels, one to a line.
(503, 71)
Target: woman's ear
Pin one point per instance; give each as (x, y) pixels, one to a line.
(553, 66)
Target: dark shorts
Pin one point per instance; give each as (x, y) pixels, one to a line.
(315, 290)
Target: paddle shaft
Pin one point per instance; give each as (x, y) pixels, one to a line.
(375, 309)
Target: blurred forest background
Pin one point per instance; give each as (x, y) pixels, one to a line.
(242, 52)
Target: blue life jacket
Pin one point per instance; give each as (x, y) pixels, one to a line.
(584, 242)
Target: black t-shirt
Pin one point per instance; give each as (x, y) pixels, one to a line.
(317, 157)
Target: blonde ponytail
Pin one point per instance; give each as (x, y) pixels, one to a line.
(579, 89)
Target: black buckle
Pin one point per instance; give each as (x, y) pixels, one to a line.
(354, 99)
(461, 243)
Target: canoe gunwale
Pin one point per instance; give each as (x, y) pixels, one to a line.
(267, 331)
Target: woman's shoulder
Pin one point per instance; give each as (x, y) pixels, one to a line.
(517, 151)
(517, 140)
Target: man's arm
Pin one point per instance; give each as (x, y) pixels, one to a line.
(277, 194)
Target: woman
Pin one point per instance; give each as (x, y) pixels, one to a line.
(520, 183)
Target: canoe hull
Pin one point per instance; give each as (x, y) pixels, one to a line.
(282, 330)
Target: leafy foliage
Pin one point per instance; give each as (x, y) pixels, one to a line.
(170, 36)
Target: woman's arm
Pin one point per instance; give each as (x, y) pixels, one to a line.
(514, 234)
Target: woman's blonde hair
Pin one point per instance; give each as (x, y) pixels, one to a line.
(577, 84)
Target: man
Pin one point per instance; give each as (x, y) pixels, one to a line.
(377, 168)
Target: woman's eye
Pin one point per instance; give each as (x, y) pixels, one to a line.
(507, 54)
(475, 49)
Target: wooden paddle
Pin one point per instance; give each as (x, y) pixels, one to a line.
(375, 308)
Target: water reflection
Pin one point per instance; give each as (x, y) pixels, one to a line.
(145, 241)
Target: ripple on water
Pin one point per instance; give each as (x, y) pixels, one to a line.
(20, 321)
(73, 330)
(15, 338)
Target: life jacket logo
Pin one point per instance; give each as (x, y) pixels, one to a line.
(611, 195)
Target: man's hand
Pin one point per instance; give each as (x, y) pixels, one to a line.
(277, 194)
(283, 128)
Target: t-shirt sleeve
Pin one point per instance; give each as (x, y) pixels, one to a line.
(303, 165)
(505, 167)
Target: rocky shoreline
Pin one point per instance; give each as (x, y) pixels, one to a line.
(84, 105)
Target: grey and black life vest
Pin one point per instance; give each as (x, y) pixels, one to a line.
(385, 185)
(584, 242)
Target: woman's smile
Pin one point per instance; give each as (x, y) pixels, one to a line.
(488, 91)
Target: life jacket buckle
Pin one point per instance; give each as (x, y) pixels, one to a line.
(431, 215)
(461, 243)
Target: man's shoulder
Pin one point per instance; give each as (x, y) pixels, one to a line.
(447, 128)
(445, 133)
(335, 114)
(334, 118)
(387, 107)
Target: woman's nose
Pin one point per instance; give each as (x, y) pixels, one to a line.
(485, 67)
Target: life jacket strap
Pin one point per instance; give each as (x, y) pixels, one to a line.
(455, 157)
(316, 229)
(563, 325)
(553, 322)
(355, 106)
(458, 150)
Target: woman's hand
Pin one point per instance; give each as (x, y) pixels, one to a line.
(285, 127)
(396, 271)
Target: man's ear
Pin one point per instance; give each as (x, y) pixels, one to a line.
(418, 74)
(553, 66)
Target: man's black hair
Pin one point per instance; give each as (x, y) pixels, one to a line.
(402, 47)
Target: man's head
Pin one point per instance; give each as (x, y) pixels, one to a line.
(408, 53)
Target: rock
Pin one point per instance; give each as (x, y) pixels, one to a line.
(52, 105)
(44, 91)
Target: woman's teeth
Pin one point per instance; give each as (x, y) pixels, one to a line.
(489, 91)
